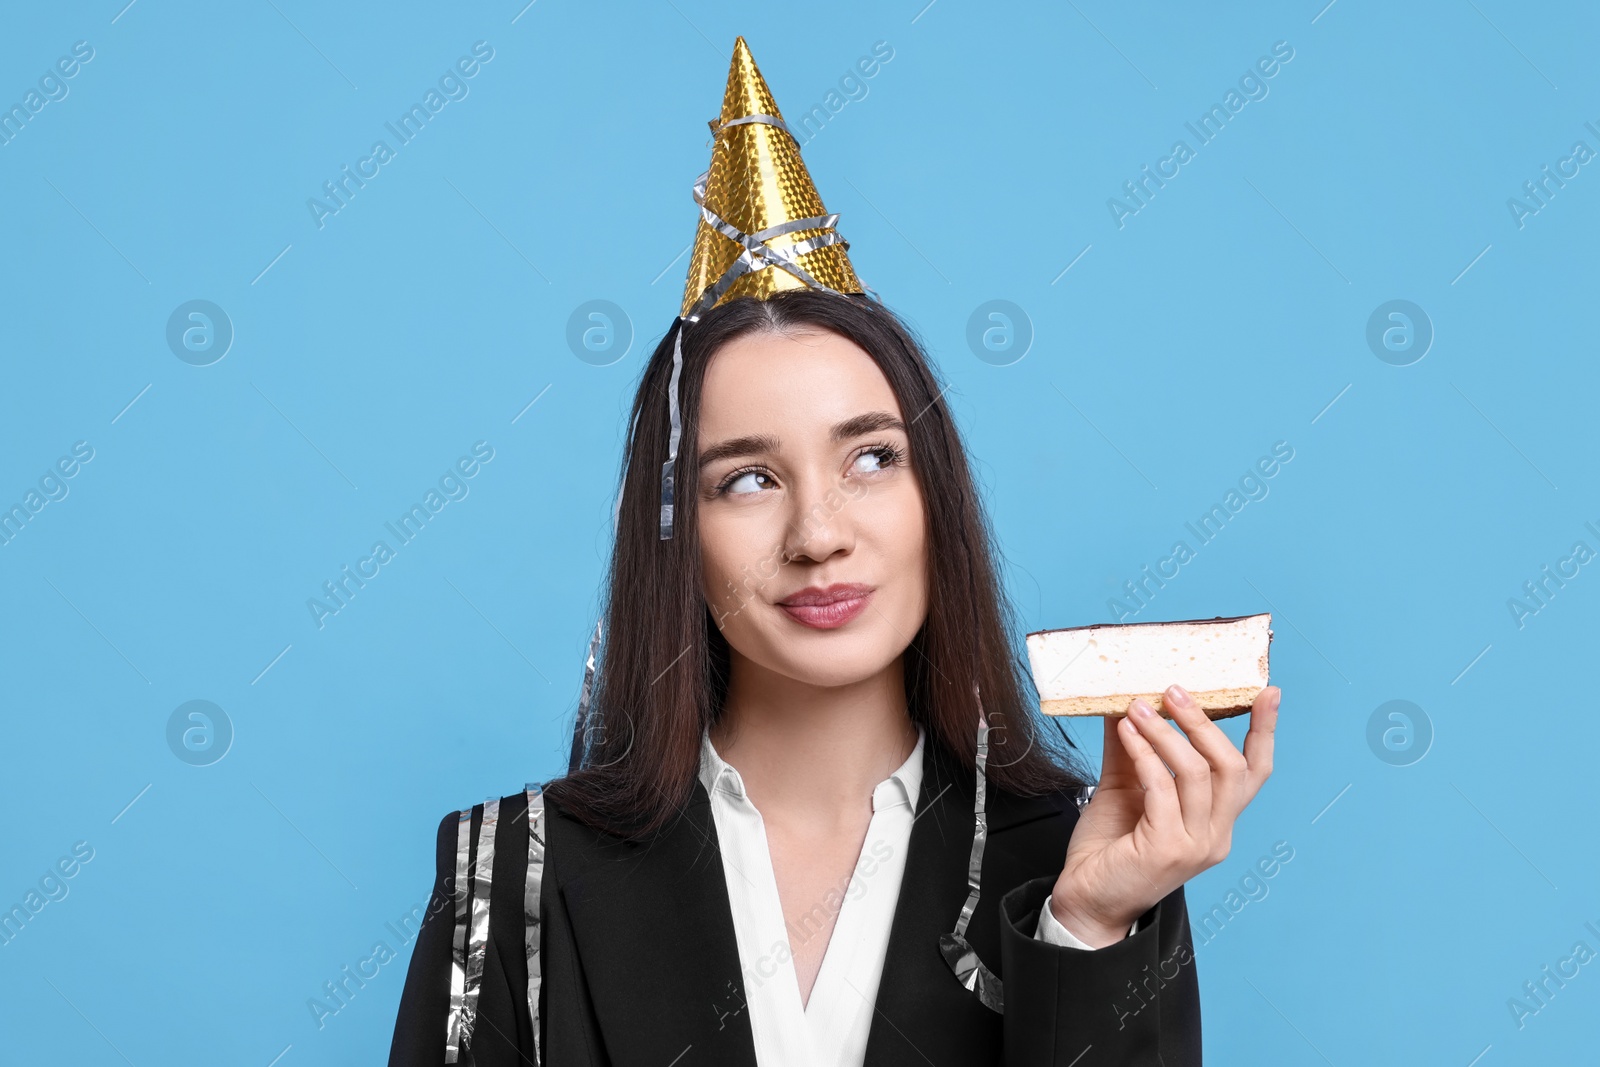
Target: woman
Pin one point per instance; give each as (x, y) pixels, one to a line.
(812, 818)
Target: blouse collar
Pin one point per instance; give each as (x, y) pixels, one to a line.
(901, 787)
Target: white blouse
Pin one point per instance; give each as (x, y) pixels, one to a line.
(830, 1029)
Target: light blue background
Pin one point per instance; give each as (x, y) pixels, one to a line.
(1228, 314)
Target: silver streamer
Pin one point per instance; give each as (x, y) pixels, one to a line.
(757, 254)
(456, 1024)
(530, 905)
(482, 879)
(584, 695)
(956, 949)
(769, 120)
(676, 432)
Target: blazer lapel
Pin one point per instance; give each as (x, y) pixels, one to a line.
(923, 1013)
(654, 928)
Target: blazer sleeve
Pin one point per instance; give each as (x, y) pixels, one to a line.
(502, 1033)
(1051, 930)
(1134, 1002)
(419, 1029)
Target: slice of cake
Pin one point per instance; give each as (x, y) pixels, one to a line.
(1099, 670)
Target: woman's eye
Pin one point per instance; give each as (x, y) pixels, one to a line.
(875, 460)
(749, 482)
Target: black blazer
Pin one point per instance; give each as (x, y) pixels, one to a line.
(640, 967)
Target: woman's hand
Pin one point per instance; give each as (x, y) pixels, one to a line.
(1147, 829)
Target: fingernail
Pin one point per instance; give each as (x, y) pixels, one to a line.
(1178, 695)
(1143, 710)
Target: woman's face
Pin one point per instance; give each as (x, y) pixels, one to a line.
(812, 529)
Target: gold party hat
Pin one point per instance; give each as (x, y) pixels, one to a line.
(755, 192)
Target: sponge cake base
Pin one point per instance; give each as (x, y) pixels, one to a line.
(1216, 703)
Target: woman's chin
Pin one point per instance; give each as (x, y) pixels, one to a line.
(830, 671)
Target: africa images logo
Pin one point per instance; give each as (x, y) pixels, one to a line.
(1206, 128)
(453, 485)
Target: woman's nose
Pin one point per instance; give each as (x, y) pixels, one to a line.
(819, 521)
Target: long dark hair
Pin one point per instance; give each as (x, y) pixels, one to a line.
(662, 674)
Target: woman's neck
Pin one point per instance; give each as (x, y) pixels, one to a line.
(799, 747)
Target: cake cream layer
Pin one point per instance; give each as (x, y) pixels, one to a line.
(1099, 670)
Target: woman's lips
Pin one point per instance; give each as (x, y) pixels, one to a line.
(831, 615)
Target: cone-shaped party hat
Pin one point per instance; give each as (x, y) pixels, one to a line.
(763, 227)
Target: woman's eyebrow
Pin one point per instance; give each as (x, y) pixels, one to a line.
(749, 445)
(755, 444)
(871, 422)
